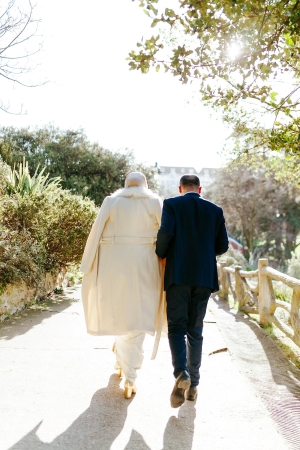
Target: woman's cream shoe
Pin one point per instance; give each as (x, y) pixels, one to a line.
(119, 370)
(130, 388)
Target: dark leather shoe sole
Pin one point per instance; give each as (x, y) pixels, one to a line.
(191, 394)
(177, 397)
(181, 385)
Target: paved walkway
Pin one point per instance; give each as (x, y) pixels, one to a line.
(58, 389)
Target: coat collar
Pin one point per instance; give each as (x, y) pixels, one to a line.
(135, 192)
(193, 193)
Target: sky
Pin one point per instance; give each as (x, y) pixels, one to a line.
(85, 45)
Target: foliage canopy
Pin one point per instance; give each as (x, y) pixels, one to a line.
(236, 51)
(84, 168)
(262, 212)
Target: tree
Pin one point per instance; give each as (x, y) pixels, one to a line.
(85, 168)
(17, 28)
(260, 211)
(235, 50)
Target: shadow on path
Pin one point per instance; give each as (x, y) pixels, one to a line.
(283, 371)
(179, 432)
(96, 428)
(99, 426)
(32, 316)
(273, 376)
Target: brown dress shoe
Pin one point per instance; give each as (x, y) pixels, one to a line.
(191, 393)
(182, 383)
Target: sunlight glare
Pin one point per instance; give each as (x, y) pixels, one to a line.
(234, 51)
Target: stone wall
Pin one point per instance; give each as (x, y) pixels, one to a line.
(17, 297)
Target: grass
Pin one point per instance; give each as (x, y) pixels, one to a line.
(289, 348)
(282, 292)
(232, 303)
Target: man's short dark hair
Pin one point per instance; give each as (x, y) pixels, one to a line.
(188, 180)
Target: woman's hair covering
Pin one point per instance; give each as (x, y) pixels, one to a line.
(136, 179)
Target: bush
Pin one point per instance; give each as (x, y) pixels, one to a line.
(41, 230)
(233, 257)
(4, 173)
(68, 227)
(21, 259)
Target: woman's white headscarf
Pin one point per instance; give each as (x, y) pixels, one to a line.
(136, 179)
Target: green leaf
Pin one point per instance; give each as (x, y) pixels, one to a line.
(170, 12)
(289, 41)
(155, 22)
(273, 95)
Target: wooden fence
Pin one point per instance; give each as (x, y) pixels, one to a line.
(257, 296)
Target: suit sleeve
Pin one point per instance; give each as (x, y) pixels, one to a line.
(221, 243)
(94, 237)
(166, 231)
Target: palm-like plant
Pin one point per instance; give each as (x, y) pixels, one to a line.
(20, 181)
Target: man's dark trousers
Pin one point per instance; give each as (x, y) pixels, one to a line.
(186, 308)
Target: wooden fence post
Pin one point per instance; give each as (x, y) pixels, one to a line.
(239, 288)
(295, 315)
(224, 282)
(265, 294)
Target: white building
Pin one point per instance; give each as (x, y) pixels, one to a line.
(207, 176)
(169, 177)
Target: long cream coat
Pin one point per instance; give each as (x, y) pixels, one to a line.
(121, 288)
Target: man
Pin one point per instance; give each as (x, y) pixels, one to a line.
(192, 233)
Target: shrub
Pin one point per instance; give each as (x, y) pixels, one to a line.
(233, 257)
(4, 172)
(30, 213)
(21, 259)
(21, 182)
(67, 229)
(42, 227)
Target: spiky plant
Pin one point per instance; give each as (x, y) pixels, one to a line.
(20, 181)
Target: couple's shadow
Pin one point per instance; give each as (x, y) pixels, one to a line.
(99, 425)
(96, 428)
(179, 432)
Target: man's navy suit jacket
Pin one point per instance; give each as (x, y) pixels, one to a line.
(192, 233)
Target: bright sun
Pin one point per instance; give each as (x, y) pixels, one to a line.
(234, 50)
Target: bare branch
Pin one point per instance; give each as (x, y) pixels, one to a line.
(17, 27)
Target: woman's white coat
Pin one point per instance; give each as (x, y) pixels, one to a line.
(122, 282)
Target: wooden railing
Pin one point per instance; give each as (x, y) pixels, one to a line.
(259, 298)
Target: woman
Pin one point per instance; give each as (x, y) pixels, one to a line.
(121, 288)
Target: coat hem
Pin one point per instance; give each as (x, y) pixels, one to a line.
(123, 333)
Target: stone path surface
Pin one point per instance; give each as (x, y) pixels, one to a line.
(58, 389)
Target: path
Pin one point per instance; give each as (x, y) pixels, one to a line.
(58, 388)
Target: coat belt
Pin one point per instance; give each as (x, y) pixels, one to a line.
(136, 240)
